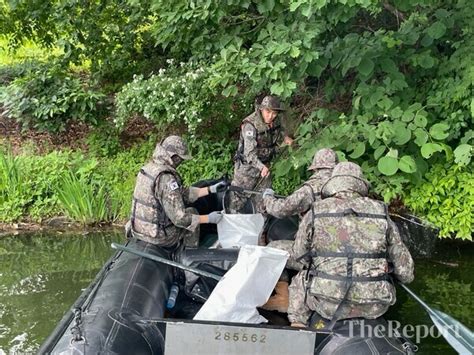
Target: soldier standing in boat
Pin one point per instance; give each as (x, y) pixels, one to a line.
(260, 136)
(159, 215)
(352, 249)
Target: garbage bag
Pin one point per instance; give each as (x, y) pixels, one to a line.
(235, 230)
(246, 286)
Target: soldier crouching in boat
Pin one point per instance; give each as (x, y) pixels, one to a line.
(159, 215)
(349, 244)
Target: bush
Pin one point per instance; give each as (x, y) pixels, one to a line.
(211, 160)
(446, 198)
(47, 98)
(178, 94)
(27, 185)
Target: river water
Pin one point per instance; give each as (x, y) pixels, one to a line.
(41, 275)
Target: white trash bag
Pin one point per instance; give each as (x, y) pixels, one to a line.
(236, 230)
(247, 285)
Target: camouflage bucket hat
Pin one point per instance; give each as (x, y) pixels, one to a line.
(175, 145)
(324, 159)
(346, 176)
(272, 103)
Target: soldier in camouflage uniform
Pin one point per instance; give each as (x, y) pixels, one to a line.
(298, 202)
(350, 246)
(259, 138)
(158, 213)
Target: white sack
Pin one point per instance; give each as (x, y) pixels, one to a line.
(235, 230)
(247, 285)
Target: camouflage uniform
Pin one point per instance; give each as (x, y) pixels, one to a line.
(300, 201)
(347, 233)
(158, 213)
(257, 147)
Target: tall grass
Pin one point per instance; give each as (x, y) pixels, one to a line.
(84, 201)
(11, 179)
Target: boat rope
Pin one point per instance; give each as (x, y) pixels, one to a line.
(423, 224)
(76, 328)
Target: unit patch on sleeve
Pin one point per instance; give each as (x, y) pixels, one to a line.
(173, 185)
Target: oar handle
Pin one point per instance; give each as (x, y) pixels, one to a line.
(159, 259)
(413, 294)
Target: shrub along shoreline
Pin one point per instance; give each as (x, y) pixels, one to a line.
(87, 190)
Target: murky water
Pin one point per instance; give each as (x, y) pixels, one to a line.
(40, 278)
(42, 275)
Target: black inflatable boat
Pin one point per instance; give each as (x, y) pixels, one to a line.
(123, 311)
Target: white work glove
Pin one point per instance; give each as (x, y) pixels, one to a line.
(268, 192)
(219, 187)
(214, 217)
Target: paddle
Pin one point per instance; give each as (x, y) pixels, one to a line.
(159, 259)
(455, 333)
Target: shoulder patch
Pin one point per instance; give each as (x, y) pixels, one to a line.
(249, 133)
(173, 185)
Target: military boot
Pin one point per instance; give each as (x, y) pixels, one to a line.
(279, 301)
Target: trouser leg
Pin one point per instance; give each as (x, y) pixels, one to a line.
(298, 310)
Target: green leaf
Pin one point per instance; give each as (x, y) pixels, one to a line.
(402, 134)
(366, 66)
(393, 153)
(397, 112)
(295, 5)
(388, 165)
(463, 154)
(265, 6)
(357, 102)
(407, 164)
(306, 10)
(379, 151)
(420, 119)
(407, 116)
(438, 131)
(436, 30)
(388, 66)
(472, 108)
(359, 149)
(277, 89)
(230, 91)
(427, 40)
(421, 136)
(426, 61)
(428, 149)
(294, 52)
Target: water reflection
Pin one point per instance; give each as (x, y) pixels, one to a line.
(445, 283)
(41, 277)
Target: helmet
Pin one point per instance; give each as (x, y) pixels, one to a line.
(324, 159)
(272, 103)
(346, 176)
(175, 145)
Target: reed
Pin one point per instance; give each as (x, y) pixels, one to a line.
(11, 179)
(82, 200)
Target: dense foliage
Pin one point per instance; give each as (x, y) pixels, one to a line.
(47, 97)
(389, 84)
